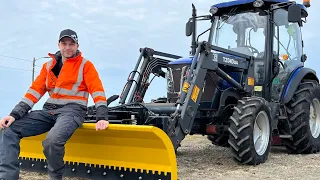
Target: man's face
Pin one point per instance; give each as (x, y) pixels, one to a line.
(68, 47)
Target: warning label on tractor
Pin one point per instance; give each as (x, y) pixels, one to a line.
(250, 81)
(195, 93)
(185, 87)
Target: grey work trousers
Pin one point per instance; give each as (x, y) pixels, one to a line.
(60, 123)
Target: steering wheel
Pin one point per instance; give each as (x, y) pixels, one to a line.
(252, 48)
(293, 59)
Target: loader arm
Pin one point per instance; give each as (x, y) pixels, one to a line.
(149, 64)
(181, 121)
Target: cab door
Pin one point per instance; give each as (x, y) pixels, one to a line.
(288, 48)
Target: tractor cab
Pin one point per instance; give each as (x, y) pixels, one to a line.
(267, 30)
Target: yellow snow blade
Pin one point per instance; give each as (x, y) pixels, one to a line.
(133, 149)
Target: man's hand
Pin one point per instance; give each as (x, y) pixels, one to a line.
(6, 121)
(102, 124)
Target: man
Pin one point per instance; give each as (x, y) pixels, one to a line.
(69, 79)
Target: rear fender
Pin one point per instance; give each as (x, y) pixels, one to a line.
(294, 81)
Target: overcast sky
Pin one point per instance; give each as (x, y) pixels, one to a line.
(110, 35)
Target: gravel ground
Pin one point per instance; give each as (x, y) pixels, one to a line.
(199, 159)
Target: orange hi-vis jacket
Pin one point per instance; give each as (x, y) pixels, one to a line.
(73, 83)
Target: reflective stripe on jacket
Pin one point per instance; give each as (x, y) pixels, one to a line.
(72, 84)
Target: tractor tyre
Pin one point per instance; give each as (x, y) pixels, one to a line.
(250, 131)
(304, 119)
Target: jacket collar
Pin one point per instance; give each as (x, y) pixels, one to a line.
(57, 56)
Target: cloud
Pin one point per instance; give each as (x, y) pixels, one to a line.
(112, 65)
(45, 5)
(308, 35)
(134, 14)
(9, 40)
(89, 21)
(166, 22)
(127, 2)
(76, 16)
(173, 13)
(73, 3)
(97, 9)
(43, 17)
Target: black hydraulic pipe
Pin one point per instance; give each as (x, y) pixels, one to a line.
(229, 79)
(129, 84)
(166, 55)
(161, 108)
(194, 30)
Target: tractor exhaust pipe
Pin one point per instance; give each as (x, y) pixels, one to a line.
(194, 31)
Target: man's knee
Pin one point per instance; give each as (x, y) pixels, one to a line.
(52, 141)
(8, 133)
(13, 129)
(9, 143)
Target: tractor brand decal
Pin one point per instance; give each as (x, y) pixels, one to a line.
(230, 61)
(185, 87)
(195, 93)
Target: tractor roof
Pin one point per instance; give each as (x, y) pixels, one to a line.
(244, 5)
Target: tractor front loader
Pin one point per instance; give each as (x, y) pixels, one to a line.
(243, 88)
(126, 150)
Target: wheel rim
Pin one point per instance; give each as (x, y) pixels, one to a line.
(261, 133)
(314, 121)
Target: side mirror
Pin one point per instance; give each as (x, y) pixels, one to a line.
(294, 14)
(189, 28)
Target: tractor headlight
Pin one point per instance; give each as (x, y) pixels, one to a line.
(213, 10)
(258, 3)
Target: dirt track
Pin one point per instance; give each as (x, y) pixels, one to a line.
(198, 159)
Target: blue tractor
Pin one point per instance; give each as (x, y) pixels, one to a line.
(258, 89)
(244, 86)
